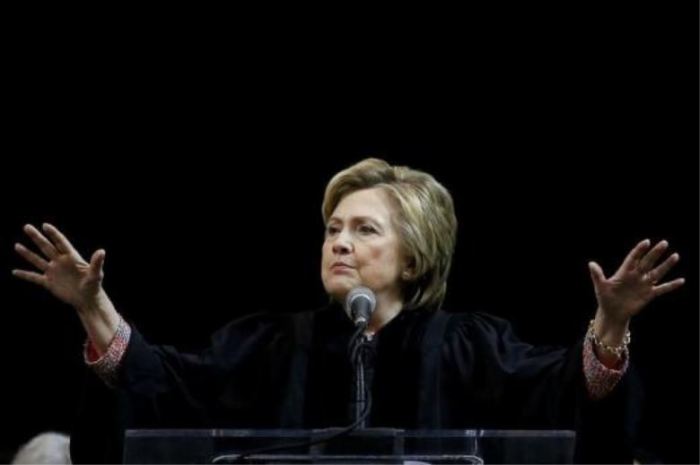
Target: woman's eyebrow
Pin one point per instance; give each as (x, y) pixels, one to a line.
(356, 219)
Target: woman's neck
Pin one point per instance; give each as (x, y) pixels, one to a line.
(385, 312)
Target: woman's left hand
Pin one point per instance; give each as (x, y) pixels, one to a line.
(636, 283)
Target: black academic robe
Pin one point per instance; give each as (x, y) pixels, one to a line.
(429, 370)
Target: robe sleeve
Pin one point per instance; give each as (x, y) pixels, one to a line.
(157, 386)
(512, 384)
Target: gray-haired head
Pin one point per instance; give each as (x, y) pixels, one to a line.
(45, 448)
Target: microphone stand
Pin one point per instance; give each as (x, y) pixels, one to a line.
(359, 349)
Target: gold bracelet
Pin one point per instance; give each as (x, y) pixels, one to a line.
(619, 351)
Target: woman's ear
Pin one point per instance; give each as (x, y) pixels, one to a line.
(409, 270)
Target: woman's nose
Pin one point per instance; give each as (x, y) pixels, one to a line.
(342, 244)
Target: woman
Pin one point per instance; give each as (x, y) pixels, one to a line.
(391, 229)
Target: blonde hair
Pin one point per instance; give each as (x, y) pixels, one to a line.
(425, 220)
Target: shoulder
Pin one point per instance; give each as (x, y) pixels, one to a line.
(474, 322)
(261, 325)
(476, 330)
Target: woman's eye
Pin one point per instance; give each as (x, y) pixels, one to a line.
(367, 229)
(331, 230)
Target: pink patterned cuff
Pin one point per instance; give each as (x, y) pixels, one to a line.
(106, 366)
(600, 380)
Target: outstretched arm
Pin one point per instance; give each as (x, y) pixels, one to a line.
(64, 272)
(623, 295)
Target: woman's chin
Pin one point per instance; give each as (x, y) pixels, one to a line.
(339, 289)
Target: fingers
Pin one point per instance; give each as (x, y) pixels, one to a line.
(597, 274)
(668, 287)
(31, 257)
(636, 254)
(97, 263)
(648, 261)
(660, 271)
(44, 245)
(30, 276)
(59, 240)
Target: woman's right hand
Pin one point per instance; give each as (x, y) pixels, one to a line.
(73, 280)
(63, 271)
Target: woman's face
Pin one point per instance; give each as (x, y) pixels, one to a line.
(362, 247)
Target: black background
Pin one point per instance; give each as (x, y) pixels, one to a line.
(198, 161)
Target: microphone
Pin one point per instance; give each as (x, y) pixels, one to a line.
(359, 305)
